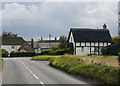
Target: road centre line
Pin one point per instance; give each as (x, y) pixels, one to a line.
(35, 76)
(31, 72)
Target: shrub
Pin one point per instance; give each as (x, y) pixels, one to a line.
(5, 53)
(104, 51)
(77, 66)
(55, 52)
(58, 52)
(45, 52)
(22, 54)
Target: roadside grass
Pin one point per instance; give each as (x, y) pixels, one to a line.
(1, 62)
(21, 57)
(107, 60)
(102, 68)
(44, 57)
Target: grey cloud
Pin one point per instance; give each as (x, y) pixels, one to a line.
(36, 20)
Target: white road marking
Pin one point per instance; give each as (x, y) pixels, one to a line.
(26, 67)
(41, 82)
(35, 76)
(30, 71)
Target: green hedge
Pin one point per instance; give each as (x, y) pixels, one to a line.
(22, 54)
(74, 65)
(4, 53)
(55, 52)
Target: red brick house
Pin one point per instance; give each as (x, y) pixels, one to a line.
(26, 47)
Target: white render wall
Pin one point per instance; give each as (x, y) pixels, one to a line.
(72, 41)
(87, 49)
(79, 51)
(9, 48)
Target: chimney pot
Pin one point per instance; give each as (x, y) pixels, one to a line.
(32, 43)
(104, 26)
(55, 38)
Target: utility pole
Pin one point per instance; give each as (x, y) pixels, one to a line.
(49, 40)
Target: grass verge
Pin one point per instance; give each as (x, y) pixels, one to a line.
(44, 57)
(78, 65)
(1, 63)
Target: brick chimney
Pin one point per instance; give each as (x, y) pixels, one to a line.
(55, 38)
(41, 38)
(32, 43)
(104, 26)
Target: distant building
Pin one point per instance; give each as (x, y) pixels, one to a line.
(89, 41)
(15, 44)
(46, 44)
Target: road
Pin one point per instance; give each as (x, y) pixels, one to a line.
(26, 71)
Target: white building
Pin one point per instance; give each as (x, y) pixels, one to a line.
(88, 41)
(11, 43)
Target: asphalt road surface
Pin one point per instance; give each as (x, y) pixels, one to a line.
(26, 71)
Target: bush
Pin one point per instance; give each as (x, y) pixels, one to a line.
(4, 53)
(45, 52)
(104, 51)
(58, 52)
(55, 52)
(22, 54)
(77, 66)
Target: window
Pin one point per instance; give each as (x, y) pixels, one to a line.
(82, 49)
(12, 46)
(96, 49)
(26, 47)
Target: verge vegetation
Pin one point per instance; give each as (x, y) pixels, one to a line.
(102, 68)
(44, 57)
(1, 63)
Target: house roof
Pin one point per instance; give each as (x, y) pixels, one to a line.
(12, 40)
(90, 35)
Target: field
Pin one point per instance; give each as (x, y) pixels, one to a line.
(44, 57)
(102, 68)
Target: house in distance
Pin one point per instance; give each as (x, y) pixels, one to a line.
(15, 44)
(89, 41)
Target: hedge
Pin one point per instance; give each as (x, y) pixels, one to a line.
(77, 66)
(55, 52)
(4, 53)
(22, 54)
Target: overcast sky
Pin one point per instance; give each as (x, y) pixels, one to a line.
(34, 20)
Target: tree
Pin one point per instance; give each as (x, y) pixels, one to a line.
(63, 42)
(116, 39)
(4, 53)
(8, 34)
(104, 51)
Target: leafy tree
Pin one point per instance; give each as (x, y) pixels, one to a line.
(41, 41)
(116, 39)
(63, 42)
(104, 51)
(8, 34)
(4, 53)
